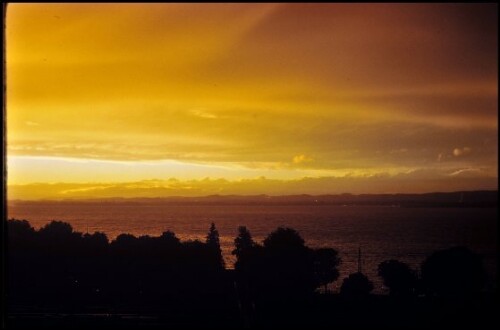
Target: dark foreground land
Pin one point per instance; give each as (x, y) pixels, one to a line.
(320, 312)
(61, 279)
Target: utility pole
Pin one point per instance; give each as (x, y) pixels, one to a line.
(359, 259)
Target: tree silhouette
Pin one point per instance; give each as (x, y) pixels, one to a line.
(287, 265)
(56, 230)
(326, 261)
(284, 239)
(57, 238)
(19, 228)
(169, 237)
(455, 271)
(20, 235)
(356, 285)
(125, 243)
(96, 240)
(243, 242)
(213, 243)
(245, 248)
(398, 277)
(55, 269)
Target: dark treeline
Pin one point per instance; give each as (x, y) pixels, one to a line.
(281, 282)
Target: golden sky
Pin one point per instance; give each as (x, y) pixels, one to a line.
(194, 99)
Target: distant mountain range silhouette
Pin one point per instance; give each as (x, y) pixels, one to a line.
(480, 198)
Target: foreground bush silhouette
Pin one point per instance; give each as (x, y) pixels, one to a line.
(398, 277)
(356, 285)
(454, 271)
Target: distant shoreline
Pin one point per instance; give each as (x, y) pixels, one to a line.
(488, 198)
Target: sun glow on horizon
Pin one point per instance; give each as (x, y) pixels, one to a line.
(36, 169)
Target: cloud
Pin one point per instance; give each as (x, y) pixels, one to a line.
(416, 181)
(76, 191)
(468, 172)
(457, 152)
(203, 113)
(300, 159)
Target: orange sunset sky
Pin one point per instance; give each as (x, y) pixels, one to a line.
(151, 100)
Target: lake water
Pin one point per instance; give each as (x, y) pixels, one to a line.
(382, 232)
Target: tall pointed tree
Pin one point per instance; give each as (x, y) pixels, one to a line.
(243, 242)
(244, 247)
(213, 243)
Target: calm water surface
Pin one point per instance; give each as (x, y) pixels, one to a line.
(406, 234)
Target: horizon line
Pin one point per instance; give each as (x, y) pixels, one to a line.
(249, 196)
